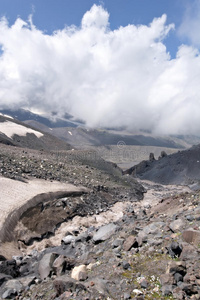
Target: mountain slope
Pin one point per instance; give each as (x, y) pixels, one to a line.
(24, 115)
(80, 137)
(16, 133)
(179, 168)
(75, 133)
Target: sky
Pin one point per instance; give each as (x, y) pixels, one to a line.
(111, 63)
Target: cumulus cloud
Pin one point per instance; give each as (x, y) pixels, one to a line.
(190, 25)
(122, 77)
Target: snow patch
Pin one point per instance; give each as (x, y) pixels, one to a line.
(7, 116)
(70, 132)
(9, 129)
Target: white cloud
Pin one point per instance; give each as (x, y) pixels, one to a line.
(123, 77)
(96, 17)
(190, 25)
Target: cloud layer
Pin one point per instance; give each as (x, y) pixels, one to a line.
(189, 28)
(123, 77)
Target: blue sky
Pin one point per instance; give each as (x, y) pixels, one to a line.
(51, 15)
(131, 63)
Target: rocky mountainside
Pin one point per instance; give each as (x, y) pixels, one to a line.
(120, 239)
(16, 133)
(178, 168)
(79, 136)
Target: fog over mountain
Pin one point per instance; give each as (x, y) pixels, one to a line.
(122, 77)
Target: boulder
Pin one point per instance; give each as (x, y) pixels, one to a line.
(178, 293)
(163, 154)
(189, 289)
(176, 267)
(79, 273)
(116, 243)
(65, 283)
(167, 279)
(68, 239)
(27, 281)
(11, 288)
(188, 252)
(83, 237)
(192, 236)
(45, 265)
(125, 265)
(104, 233)
(127, 296)
(130, 242)
(153, 228)
(101, 286)
(59, 265)
(176, 225)
(166, 290)
(9, 294)
(142, 238)
(4, 277)
(9, 267)
(178, 277)
(151, 157)
(175, 249)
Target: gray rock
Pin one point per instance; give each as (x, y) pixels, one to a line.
(59, 264)
(9, 267)
(176, 225)
(68, 239)
(127, 296)
(83, 237)
(141, 238)
(117, 243)
(192, 236)
(11, 288)
(45, 265)
(167, 279)
(104, 233)
(176, 267)
(27, 281)
(9, 294)
(189, 289)
(13, 284)
(144, 284)
(65, 283)
(101, 286)
(190, 218)
(4, 277)
(178, 277)
(167, 290)
(117, 252)
(163, 154)
(125, 265)
(175, 249)
(153, 242)
(188, 252)
(153, 228)
(130, 242)
(178, 293)
(151, 157)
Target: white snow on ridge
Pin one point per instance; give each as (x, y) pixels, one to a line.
(6, 116)
(9, 129)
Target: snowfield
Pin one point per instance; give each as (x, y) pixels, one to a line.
(9, 129)
(15, 194)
